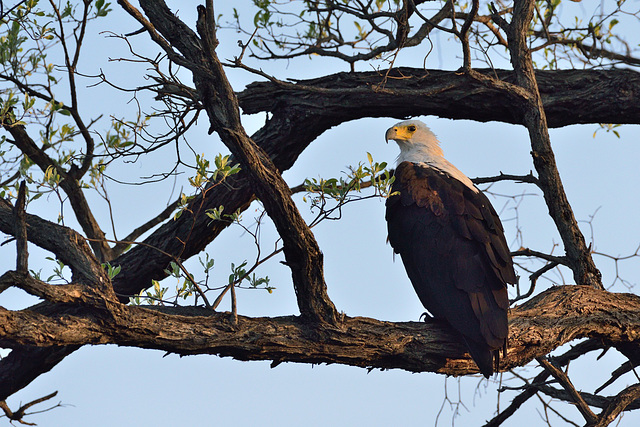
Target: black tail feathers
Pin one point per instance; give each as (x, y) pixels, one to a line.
(486, 358)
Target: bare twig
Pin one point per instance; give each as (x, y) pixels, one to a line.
(529, 178)
(534, 279)
(565, 382)
(551, 258)
(623, 369)
(21, 412)
(10, 179)
(531, 388)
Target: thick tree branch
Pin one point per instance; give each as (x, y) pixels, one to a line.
(537, 327)
(25, 364)
(20, 230)
(568, 96)
(66, 244)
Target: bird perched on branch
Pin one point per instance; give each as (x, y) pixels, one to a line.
(451, 243)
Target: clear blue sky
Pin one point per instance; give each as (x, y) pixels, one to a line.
(109, 385)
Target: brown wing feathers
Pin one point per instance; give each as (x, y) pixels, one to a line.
(452, 244)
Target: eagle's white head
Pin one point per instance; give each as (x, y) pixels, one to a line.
(419, 145)
(416, 141)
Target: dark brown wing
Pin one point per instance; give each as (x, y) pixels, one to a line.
(452, 245)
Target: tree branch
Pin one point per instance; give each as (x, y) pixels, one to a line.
(531, 388)
(120, 247)
(22, 262)
(565, 382)
(529, 179)
(549, 320)
(568, 96)
(66, 244)
(584, 269)
(619, 403)
(547, 257)
(21, 412)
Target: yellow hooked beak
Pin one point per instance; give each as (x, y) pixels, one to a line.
(400, 133)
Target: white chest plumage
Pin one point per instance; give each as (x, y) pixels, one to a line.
(429, 153)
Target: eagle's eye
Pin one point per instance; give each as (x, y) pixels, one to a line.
(411, 128)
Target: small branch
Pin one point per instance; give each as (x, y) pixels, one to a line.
(551, 258)
(301, 187)
(589, 51)
(193, 282)
(10, 179)
(29, 90)
(534, 279)
(516, 403)
(497, 18)
(565, 382)
(21, 412)
(626, 367)
(531, 388)
(593, 400)
(234, 307)
(529, 178)
(547, 407)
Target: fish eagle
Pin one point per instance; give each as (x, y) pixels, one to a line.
(451, 243)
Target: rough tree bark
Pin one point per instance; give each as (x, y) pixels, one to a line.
(536, 327)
